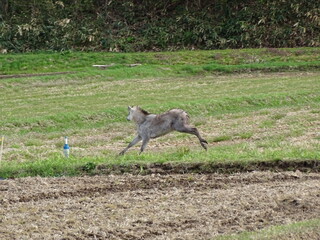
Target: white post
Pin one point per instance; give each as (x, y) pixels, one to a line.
(1, 148)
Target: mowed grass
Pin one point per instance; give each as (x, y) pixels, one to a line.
(163, 63)
(246, 115)
(309, 229)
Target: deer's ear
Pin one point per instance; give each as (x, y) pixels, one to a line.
(129, 108)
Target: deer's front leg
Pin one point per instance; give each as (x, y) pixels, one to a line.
(134, 142)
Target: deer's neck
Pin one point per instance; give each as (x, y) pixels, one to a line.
(140, 118)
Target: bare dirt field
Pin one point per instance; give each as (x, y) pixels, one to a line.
(178, 206)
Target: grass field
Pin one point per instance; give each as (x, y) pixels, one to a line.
(251, 105)
(258, 105)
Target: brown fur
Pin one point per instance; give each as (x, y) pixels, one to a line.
(153, 126)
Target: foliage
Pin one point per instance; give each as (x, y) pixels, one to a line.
(131, 25)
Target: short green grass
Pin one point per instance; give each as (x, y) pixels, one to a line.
(300, 230)
(248, 116)
(164, 63)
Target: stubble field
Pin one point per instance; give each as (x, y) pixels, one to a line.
(187, 206)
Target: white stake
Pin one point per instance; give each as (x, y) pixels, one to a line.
(1, 149)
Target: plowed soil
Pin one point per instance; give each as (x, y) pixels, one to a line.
(178, 206)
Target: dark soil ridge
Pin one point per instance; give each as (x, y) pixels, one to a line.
(208, 168)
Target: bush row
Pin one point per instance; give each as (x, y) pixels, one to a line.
(144, 25)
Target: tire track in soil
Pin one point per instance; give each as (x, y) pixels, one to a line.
(185, 206)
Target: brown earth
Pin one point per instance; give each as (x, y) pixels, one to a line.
(178, 206)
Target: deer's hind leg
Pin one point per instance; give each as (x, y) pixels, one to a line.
(144, 144)
(193, 131)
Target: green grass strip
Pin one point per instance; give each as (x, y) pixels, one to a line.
(309, 229)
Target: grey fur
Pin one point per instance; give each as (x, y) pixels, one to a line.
(152, 126)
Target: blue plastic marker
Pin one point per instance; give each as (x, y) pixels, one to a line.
(66, 148)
